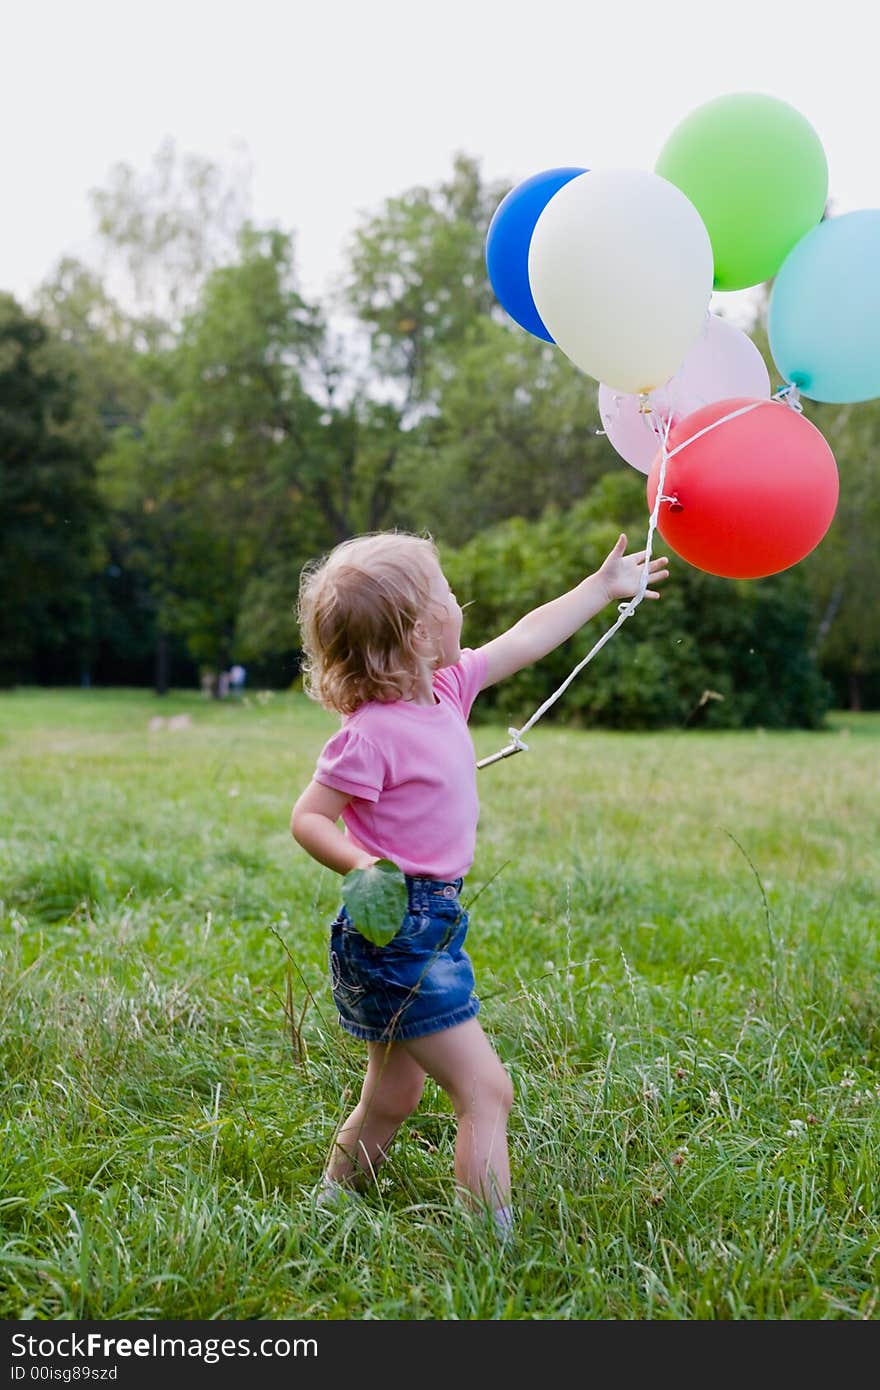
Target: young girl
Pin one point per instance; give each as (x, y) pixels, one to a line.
(381, 631)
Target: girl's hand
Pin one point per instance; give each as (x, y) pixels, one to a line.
(622, 574)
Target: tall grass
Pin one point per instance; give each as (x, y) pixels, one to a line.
(676, 944)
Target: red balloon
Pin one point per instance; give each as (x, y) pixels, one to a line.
(753, 496)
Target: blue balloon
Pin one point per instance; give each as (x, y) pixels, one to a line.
(823, 319)
(507, 245)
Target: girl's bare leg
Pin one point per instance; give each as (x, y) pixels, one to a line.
(464, 1063)
(391, 1091)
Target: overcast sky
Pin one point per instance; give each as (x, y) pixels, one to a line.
(340, 105)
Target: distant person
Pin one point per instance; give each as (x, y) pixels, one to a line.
(237, 678)
(381, 630)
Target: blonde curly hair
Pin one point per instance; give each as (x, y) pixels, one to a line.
(357, 608)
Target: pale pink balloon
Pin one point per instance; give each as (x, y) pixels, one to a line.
(723, 362)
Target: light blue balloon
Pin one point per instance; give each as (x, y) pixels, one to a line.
(823, 319)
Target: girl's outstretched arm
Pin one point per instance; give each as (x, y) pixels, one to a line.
(540, 631)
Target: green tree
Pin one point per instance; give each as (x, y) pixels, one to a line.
(160, 232)
(49, 507)
(108, 348)
(843, 572)
(251, 464)
(119, 369)
(418, 276)
(164, 229)
(516, 429)
(495, 421)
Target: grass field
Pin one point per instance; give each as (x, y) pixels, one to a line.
(676, 943)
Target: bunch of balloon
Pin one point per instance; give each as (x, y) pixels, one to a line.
(617, 267)
(752, 486)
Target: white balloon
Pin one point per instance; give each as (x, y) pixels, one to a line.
(722, 363)
(621, 270)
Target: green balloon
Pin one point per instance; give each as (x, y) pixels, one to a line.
(755, 170)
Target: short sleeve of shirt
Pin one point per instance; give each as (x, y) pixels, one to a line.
(350, 763)
(464, 680)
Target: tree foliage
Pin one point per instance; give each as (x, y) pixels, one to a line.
(515, 429)
(241, 472)
(418, 277)
(843, 573)
(238, 436)
(164, 229)
(49, 508)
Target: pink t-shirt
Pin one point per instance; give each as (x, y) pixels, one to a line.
(411, 772)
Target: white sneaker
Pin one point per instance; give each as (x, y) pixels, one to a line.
(335, 1196)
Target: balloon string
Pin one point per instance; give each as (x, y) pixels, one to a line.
(743, 410)
(789, 396)
(625, 610)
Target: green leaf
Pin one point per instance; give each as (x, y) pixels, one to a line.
(377, 900)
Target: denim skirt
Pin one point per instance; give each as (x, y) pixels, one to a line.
(420, 982)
